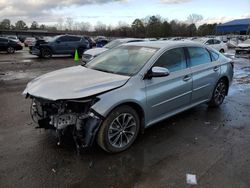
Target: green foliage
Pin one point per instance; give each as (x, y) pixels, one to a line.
(5, 24)
(34, 25)
(151, 27)
(21, 25)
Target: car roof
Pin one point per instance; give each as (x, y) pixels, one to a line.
(165, 44)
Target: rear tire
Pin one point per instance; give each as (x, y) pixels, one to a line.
(119, 130)
(10, 50)
(219, 94)
(46, 53)
(222, 51)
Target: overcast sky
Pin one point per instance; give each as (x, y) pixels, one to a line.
(111, 12)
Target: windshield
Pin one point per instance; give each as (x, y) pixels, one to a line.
(124, 60)
(113, 44)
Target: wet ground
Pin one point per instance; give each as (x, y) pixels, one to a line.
(213, 144)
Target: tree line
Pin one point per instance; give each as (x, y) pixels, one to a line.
(150, 27)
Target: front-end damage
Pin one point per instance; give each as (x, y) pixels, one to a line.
(68, 116)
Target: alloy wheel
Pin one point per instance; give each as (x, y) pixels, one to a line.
(220, 93)
(122, 130)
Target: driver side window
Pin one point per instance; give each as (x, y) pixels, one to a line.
(173, 60)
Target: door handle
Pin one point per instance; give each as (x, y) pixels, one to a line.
(216, 68)
(186, 78)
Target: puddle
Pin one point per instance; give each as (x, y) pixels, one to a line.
(247, 69)
(242, 76)
(6, 62)
(242, 88)
(13, 75)
(25, 61)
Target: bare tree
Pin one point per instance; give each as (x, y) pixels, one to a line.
(60, 22)
(85, 26)
(69, 23)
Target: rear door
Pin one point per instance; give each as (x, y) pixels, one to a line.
(166, 95)
(73, 44)
(205, 73)
(60, 46)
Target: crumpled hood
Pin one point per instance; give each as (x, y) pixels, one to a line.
(95, 51)
(72, 83)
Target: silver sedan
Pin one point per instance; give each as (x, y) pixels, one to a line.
(127, 89)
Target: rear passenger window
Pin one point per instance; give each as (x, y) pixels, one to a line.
(198, 56)
(64, 39)
(73, 39)
(173, 60)
(216, 41)
(214, 55)
(210, 42)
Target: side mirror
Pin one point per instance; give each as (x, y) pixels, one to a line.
(207, 43)
(157, 72)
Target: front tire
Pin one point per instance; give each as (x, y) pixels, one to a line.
(219, 94)
(119, 130)
(46, 53)
(10, 50)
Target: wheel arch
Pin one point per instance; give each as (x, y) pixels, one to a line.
(225, 78)
(137, 107)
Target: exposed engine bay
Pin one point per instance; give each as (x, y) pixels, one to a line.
(71, 116)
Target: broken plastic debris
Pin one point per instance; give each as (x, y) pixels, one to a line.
(53, 170)
(191, 179)
(207, 123)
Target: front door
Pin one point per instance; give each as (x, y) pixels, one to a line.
(166, 95)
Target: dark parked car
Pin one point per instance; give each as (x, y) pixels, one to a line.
(101, 42)
(9, 45)
(62, 44)
(91, 41)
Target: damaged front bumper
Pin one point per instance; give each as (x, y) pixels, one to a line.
(72, 116)
(242, 52)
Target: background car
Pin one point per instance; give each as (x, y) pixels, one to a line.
(9, 45)
(129, 88)
(91, 41)
(60, 45)
(101, 42)
(243, 49)
(29, 41)
(13, 37)
(92, 53)
(214, 43)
